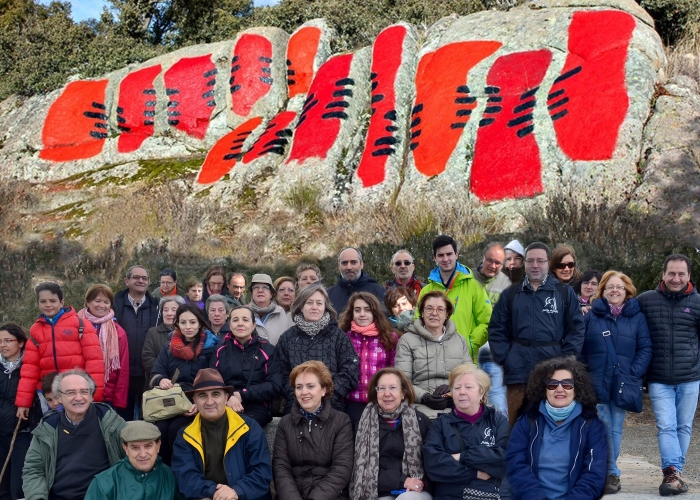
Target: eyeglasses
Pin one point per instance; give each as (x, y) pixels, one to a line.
(404, 262)
(567, 384)
(431, 309)
(540, 262)
(162, 283)
(615, 287)
(493, 262)
(139, 278)
(215, 283)
(392, 388)
(7, 341)
(72, 393)
(563, 265)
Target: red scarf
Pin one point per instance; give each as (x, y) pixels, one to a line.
(370, 330)
(188, 352)
(172, 292)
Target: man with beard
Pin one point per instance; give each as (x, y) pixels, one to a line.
(352, 279)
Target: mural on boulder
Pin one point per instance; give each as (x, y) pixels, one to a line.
(469, 102)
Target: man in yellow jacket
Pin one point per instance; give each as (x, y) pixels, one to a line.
(472, 305)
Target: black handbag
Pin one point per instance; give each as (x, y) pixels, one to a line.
(627, 388)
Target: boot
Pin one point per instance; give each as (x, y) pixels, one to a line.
(672, 483)
(612, 485)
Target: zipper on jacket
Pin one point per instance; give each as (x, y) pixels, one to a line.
(578, 450)
(591, 462)
(532, 458)
(53, 340)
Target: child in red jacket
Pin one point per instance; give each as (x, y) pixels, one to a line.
(57, 345)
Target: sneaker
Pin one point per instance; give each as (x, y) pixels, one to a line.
(612, 485)
(672, 483)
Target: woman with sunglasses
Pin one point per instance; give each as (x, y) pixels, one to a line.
(562, 264)
(558, 449)
(615, 320)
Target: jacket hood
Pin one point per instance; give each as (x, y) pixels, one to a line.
(601, 307)
(418, 328)
(362, 280)
(460, 274)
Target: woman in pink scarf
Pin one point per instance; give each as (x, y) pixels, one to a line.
(115, 349)
(373, 340)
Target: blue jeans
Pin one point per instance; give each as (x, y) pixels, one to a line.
(674, 408)
(613, 417)
(497, 393)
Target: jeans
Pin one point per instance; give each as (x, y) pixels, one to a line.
(674, 408)
(613, 417)
(497, 393)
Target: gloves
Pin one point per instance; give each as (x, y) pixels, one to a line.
(441, 390)
(434, 402)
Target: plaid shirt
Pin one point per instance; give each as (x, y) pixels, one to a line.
(373, 357)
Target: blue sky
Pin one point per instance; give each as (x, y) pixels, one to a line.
(85, 9)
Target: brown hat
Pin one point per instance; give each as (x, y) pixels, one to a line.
(206, 380)
(263, 279)
(138, 430)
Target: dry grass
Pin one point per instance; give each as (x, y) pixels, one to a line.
(684, 57)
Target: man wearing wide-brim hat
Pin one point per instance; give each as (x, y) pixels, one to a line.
(221, 455)
(141, 475)
(271, 320)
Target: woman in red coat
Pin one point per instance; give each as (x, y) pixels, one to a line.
(113, 343)
(57, 345)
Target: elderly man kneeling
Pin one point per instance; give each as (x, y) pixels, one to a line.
(221, 455)
(141, 475)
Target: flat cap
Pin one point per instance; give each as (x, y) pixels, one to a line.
(138, 430)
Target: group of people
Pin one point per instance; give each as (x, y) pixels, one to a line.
(377, 385)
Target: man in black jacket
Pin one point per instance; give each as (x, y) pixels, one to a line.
(136, 311)
(352, 279)
(673, 314)
(534, 320)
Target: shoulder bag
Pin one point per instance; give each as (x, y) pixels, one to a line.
(162, 404)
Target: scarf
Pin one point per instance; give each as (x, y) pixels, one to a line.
(583, 301)
(172, 292)
(11, 366)
(559, 414)
(365, 476)
(312, 328)
(262, 311)
(310, 416)
(109, 339)
(188, 352)
(616, 310)
(370, 330)
(472, 419)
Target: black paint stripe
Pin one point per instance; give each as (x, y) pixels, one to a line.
(335, 114)
(345, 81)
(377, 98)
(525, 131)
(486, 121)
(557, 104)
(342, 93)
(526, 105)
(390, 115)
(493, 109)
(384, 152)
(568, 74)
(465, 100)
(561, 114)
(520, 120)
(386, 141)
(529, 93)
(458, 125)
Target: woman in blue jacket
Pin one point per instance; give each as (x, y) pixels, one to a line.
(615, 310)
(464, 450)
(190, 349)
(558, 449)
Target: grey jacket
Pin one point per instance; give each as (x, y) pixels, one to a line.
(427, 361)
(276, 323)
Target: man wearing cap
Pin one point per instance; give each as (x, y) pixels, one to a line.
(141, 475)
(271, 320)
(514, 261)
(71, 446)
(221, 455)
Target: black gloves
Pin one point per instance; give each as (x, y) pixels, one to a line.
(441, 390)
(434, 402)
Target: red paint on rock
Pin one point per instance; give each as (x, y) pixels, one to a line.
(506, 156)
(443, 102)
(251, 77)
(136, 108)
(320, 119)
(225, 153)
(302, 48)
(76, 123)
(189, 85)
(381, 138)
(588, 101)
(275, 138)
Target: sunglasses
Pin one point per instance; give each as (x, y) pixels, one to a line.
(567, 384)
(570, 265)
(405, 263)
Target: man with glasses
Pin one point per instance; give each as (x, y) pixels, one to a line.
(136, 311)
(352, 279)
(471, 303)
(236, 287)
(71, 446)
(535, 320)
(403, 268)
(489, 274)
(673, 315)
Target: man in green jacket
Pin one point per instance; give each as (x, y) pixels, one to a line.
(472, 305)
(70, 446)
(141, 475)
